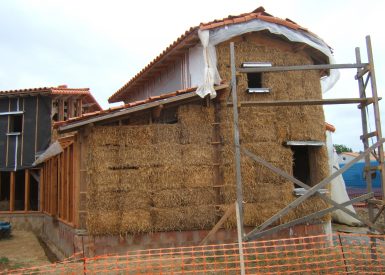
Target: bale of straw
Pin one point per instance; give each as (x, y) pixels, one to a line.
(136, 221)
(134, 200)
(184, 218)
(197, 176)
(184, 197)
(103, 223)
(166, 177)
(195, 154)
(166, 133)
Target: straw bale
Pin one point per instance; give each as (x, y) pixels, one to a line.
(168, 153)
(104, 180)
(197, 176)
(166, 177)
(184, 218)
(135, 179)
(134, 200)
(195, 154)
(311, 205)
(103, 201)
(136, 221)
(102, 222)
(184, 197)
(136, 135)
(255, 214)
(170, 133)
(196, 124)
(259, 192)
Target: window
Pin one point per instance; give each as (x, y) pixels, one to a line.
(16, 124)
(255, 79)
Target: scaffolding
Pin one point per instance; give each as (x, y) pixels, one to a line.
(365, 74)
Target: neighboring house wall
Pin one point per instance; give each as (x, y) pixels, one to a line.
(34, 136)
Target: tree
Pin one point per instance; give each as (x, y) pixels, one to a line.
(340, 148)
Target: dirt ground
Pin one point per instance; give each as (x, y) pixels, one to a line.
(21, 250)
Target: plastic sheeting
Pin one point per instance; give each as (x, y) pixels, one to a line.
(53, 150)
(210, 38)
(338, 188)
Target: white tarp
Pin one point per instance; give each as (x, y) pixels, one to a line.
(210, 38)
(53, 150)
(338, 188)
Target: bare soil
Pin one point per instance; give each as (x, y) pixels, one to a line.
(20, 251)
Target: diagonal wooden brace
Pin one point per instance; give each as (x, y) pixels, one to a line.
(311, 190)
(315, 215)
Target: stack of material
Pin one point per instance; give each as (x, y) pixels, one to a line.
(154, 177)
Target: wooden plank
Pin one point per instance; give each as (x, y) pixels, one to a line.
(316, 187)
(301, 68)
(219, 224)
(330, 101)
(61, 109)
(239, 206)
(68, 184)
(296, 181)
(368, 135)
(12, 192)
(27, 190)
(124, 112)
(41, 188)
(218, 178)
(376, 108)
(309, 217)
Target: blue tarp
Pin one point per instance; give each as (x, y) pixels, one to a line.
(354, 177)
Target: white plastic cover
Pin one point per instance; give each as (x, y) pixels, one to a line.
(53, 150)
(210, 38)
(338, 188)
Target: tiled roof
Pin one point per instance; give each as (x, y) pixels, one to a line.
(60, 90)
(190, 38)
(125, 106)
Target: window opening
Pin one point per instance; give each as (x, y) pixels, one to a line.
(16, 124)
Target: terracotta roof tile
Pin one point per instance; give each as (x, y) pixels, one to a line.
(192, 34)
(60, 90)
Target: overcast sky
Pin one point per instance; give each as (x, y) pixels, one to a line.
(102, 44)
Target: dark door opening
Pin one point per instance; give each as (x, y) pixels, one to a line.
(301, 164)
(4, 191)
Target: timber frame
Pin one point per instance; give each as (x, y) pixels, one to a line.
(363, 69)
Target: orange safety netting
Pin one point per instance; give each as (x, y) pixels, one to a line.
(325, 254)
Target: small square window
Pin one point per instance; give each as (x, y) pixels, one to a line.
(16, 124)
(254, 80)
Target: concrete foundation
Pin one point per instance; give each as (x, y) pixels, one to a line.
(65, 241)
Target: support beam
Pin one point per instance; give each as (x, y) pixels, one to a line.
(315, 215)
(301, 68)
(331, 101)
(314, 189)
(12, 192)
(219, 224)
(298, 182)
(239, 206)
(27, 190)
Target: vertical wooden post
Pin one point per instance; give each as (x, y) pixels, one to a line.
(70, 108)
(41, 188)
(26, 190)
(12, 192)
(239, 206)
(68, 182)
(61, 109)
(376, 108)
(365, 141)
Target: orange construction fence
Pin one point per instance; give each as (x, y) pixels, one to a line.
(324, 254)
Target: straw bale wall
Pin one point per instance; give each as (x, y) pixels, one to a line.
(264, 129)
(152, 177)
(159, 177)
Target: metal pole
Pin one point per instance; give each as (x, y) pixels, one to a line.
(376, 114)
(365, 139)
(237, 149)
